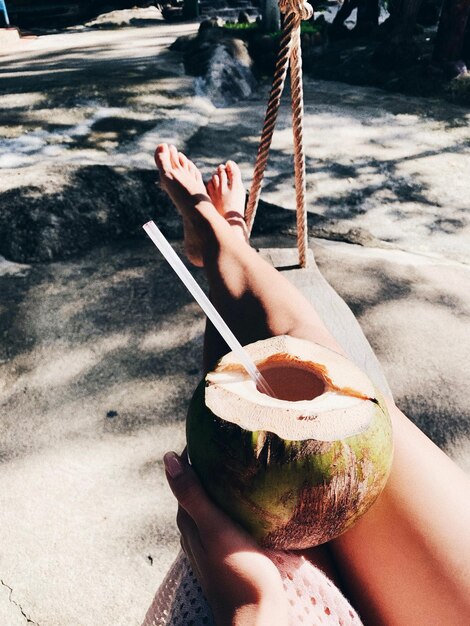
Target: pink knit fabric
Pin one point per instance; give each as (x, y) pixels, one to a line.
(313, 599)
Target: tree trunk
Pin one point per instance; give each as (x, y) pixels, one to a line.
(398, 50)
(344, 12)
(466, 44)
(403, 14)
(338, 30)
(367, 15)
(270, 16)
(451, 31)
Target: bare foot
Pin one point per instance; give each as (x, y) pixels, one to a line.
(182, 181)
(227, 193)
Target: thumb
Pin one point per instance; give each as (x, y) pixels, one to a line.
(189, 492)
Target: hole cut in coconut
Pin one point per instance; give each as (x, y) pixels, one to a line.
(292, 380)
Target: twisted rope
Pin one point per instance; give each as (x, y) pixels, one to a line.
(297, 97)
(289, 53)
(299, 7)
(270, 119)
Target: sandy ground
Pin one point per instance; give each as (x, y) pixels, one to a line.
(100, 354)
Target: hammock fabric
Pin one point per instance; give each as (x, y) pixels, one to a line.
(313, 599)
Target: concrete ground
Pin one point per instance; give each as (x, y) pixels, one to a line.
(100, 353)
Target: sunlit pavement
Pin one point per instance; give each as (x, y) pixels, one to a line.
(100, 354)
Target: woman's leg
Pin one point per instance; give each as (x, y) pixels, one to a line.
(242, 283)
(406, 561)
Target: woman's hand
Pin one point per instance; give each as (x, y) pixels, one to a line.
(242, 585)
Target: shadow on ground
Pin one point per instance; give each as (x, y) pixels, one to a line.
(416, 317)
(76, 334)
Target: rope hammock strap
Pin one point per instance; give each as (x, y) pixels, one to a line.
(294, 12)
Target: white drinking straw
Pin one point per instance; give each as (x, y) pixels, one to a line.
(206, 305)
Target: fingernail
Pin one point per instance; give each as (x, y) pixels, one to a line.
(173, 464)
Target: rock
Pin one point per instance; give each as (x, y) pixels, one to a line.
(455, 69)
(358, 236)
(197, 56)
(264, 50)
(209, 24)
(121, 18)
(228, 76)
(172, 14)
(459, 88)
(55, 214)
(182, 43)
(222, 63)
(238, 50)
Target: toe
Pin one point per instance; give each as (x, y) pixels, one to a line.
(193, 170)
(223, 178)
(183, 160)
(233, 172)
(189, 166)
(215, 181)
(174, 156)
(162, 157)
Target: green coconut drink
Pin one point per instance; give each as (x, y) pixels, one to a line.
(299, 469)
